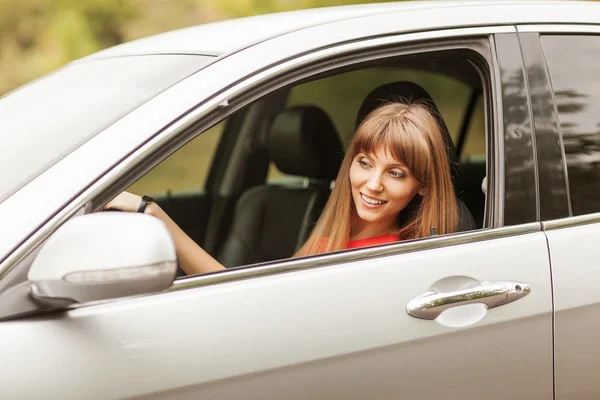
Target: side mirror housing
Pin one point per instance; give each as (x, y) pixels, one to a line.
(103, 256)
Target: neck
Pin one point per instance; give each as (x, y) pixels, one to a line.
(364, 230)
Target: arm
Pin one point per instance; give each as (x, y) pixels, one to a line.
(192, 258)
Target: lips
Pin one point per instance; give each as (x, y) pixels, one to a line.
(371, 201)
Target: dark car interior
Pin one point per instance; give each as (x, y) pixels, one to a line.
(275, 160)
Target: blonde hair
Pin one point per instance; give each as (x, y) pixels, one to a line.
(412, 135)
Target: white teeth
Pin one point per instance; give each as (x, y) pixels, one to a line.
(371, 201)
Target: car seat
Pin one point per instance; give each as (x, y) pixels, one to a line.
(272, 220)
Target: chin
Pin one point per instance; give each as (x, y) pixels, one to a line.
(368, 217)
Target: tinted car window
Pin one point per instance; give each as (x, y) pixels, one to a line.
(574, 62)
(47, 119)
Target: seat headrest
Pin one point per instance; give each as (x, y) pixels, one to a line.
(303, 141)
(402, 92)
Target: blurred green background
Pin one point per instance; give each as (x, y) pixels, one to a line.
(38, 36)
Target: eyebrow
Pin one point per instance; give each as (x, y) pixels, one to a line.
(397, 163)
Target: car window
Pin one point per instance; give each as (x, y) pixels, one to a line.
(52, 116)
(273, 186)
(341, 95)
(185, 170)
(574, 62)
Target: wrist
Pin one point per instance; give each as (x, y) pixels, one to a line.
(152, 209)
(144, 202)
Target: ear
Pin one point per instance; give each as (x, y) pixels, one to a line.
(421, 190)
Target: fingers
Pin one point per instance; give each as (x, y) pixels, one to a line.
(124, 201)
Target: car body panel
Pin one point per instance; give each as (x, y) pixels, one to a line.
(573, 255)
(334, 331)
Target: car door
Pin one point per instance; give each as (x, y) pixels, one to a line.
(465, 315)
(574, 95)
(296, 330)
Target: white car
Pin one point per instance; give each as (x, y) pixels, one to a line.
(219, 123)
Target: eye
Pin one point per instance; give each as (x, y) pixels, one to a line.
(398, 174)
(363, 163)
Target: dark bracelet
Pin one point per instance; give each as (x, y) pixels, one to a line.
(145, 201)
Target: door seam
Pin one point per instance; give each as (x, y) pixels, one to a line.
(553, 316)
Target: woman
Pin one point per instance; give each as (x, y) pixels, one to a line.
(394, 184)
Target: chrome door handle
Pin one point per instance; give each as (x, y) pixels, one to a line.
(430, 305)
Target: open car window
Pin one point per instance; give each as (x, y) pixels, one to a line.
(267, 192)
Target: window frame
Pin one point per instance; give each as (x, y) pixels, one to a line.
(361, 54)
(398, 50)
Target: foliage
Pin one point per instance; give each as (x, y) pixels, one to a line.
(38, 36)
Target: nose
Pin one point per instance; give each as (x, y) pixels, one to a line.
(374, 183)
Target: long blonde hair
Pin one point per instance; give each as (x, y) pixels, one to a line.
(412, 136)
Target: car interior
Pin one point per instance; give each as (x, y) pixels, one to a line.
(268, 168)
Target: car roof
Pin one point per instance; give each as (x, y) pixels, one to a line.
(227, 36)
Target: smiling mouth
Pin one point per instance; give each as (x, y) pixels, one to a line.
(372, 201)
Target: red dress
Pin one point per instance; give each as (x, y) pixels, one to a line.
(381, 239)
(355, 244)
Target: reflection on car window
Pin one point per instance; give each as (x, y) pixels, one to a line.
(577, 91)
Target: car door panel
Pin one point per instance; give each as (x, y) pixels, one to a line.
(576, 298)
(339, 330)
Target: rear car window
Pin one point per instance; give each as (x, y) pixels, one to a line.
(47, 119)
(574, 62)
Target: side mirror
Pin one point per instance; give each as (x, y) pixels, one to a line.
(103, 256)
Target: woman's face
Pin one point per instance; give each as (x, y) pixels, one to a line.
(381, 187)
